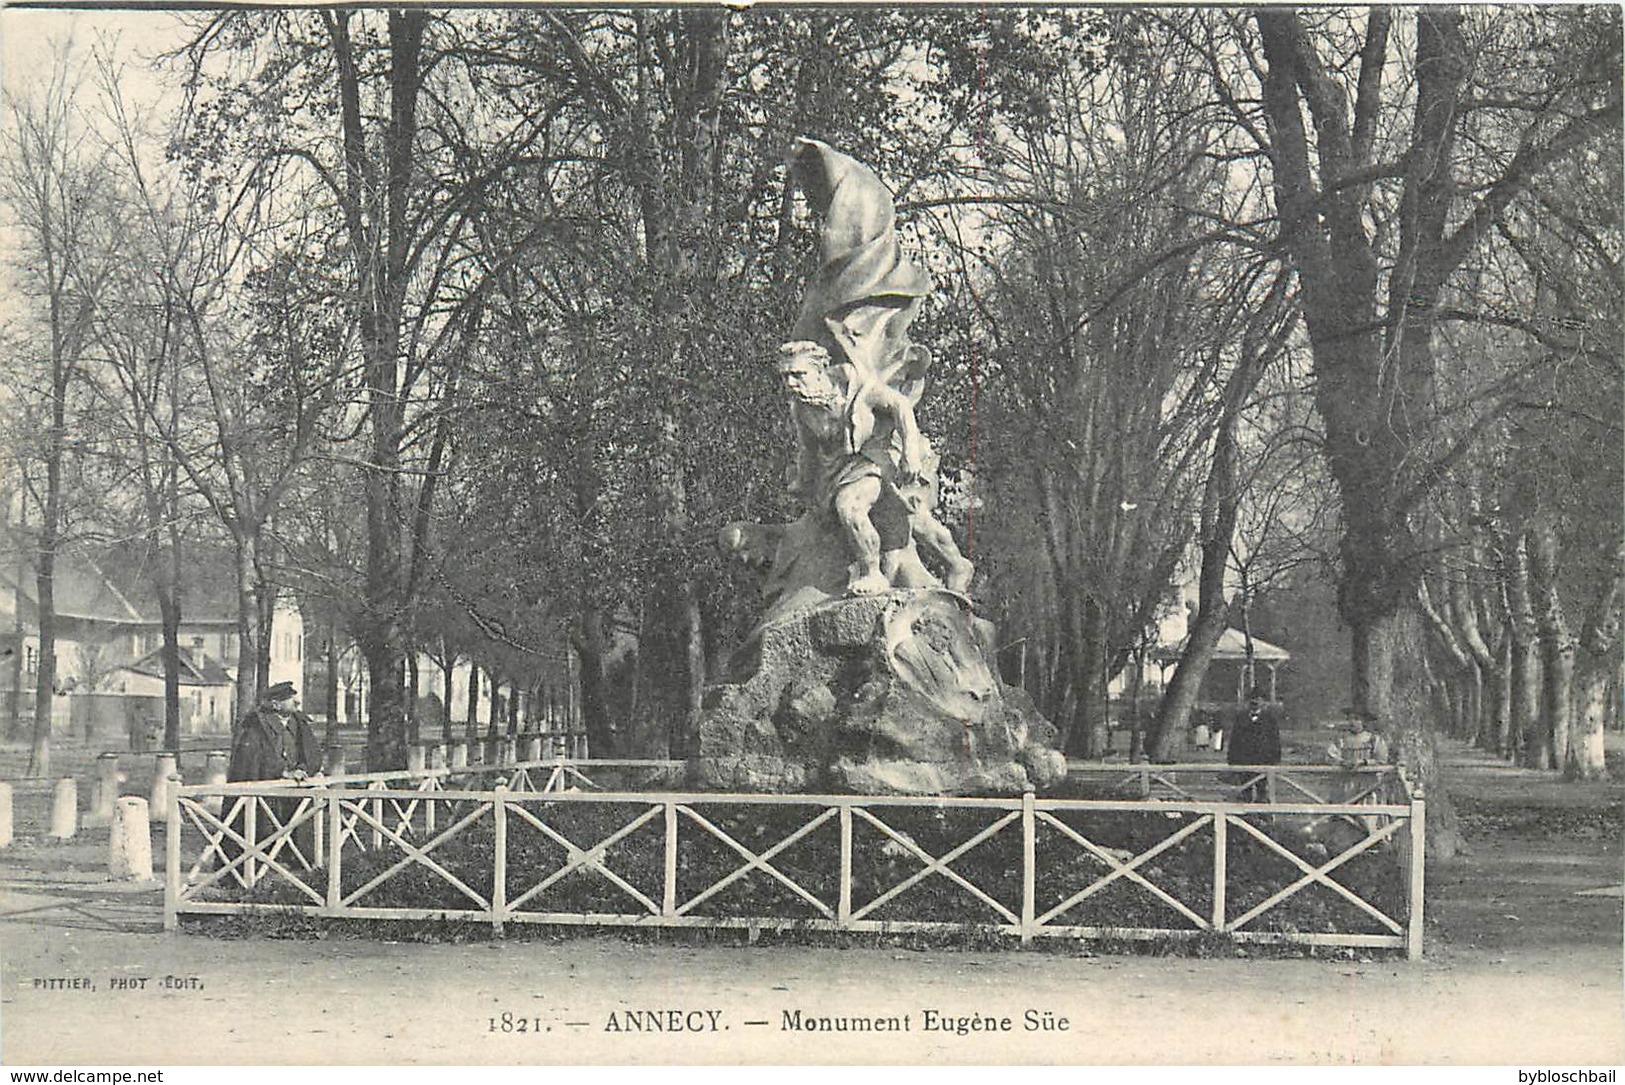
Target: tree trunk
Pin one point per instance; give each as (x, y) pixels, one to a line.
(493, 711)
(1459, 686)
(1586, 760)
(50, 538)
(386, 716)
(1091, 737)
(331, 680)
(1557, 646)
(590, 648)
(1532, 747)
(1221, 502)
(39, 750)
(471, 726)
(15, 724)
(1390, 682)
(250, 678)
(381, 252)
(1599, 642)
(1506, 741)
(1490, 678)
(414, 725)
(448, 664)
(169, 618)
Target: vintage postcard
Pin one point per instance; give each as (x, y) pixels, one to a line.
(801, 535)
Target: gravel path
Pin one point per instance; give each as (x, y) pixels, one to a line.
(1523, 967)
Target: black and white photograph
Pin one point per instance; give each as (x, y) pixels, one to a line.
(811, 535)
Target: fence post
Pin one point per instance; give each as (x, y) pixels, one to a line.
(1029, 865)
(172, 859)
(1221, 835)
(843, 905)
(335, 851)
(1419, 839)
(318, 821)
(5, 815)
(251, 834)
(499, 879)
(668, 902)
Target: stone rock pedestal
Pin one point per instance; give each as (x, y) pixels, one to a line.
(881, 694)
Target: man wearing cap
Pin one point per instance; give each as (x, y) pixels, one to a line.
(275, 740)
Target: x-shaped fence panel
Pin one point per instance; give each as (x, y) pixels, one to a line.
(365, 811)
(940, 865)
(1315, 875)
(592, 860)
(1129, 869)
(1029, 867)
(247, 842)
(756, 861)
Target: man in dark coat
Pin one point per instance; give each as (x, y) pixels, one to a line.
(1256, 740)
(274, 741)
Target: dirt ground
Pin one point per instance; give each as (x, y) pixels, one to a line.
(1523, 966)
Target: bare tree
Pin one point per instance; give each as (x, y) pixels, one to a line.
(53, 184)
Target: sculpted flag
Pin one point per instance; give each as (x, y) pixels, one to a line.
(865, 292)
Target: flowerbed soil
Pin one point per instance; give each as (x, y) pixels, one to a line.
(881, 864)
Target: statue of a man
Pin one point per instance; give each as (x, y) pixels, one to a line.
(855, 443)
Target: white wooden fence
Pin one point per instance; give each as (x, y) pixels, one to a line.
(348, 848)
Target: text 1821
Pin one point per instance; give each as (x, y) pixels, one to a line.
(509, 1023)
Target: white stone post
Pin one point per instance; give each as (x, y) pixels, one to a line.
(215, 771)
(163, 767)
(416, 759)
(5, 815)
(65, 809)
(437, 756)
(105, 791)
(459, 755)
(129, 844)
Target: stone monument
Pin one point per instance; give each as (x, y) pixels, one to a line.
(869, 671)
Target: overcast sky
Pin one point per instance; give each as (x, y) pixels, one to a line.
(28, 41)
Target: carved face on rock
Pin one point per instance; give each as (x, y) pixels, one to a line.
(933, 648)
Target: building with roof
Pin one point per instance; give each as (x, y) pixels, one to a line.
(109, 642)
(1240, 664)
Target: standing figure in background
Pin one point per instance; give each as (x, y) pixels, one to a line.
(1256, 740)
(1360, 744)
(1360, 750)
